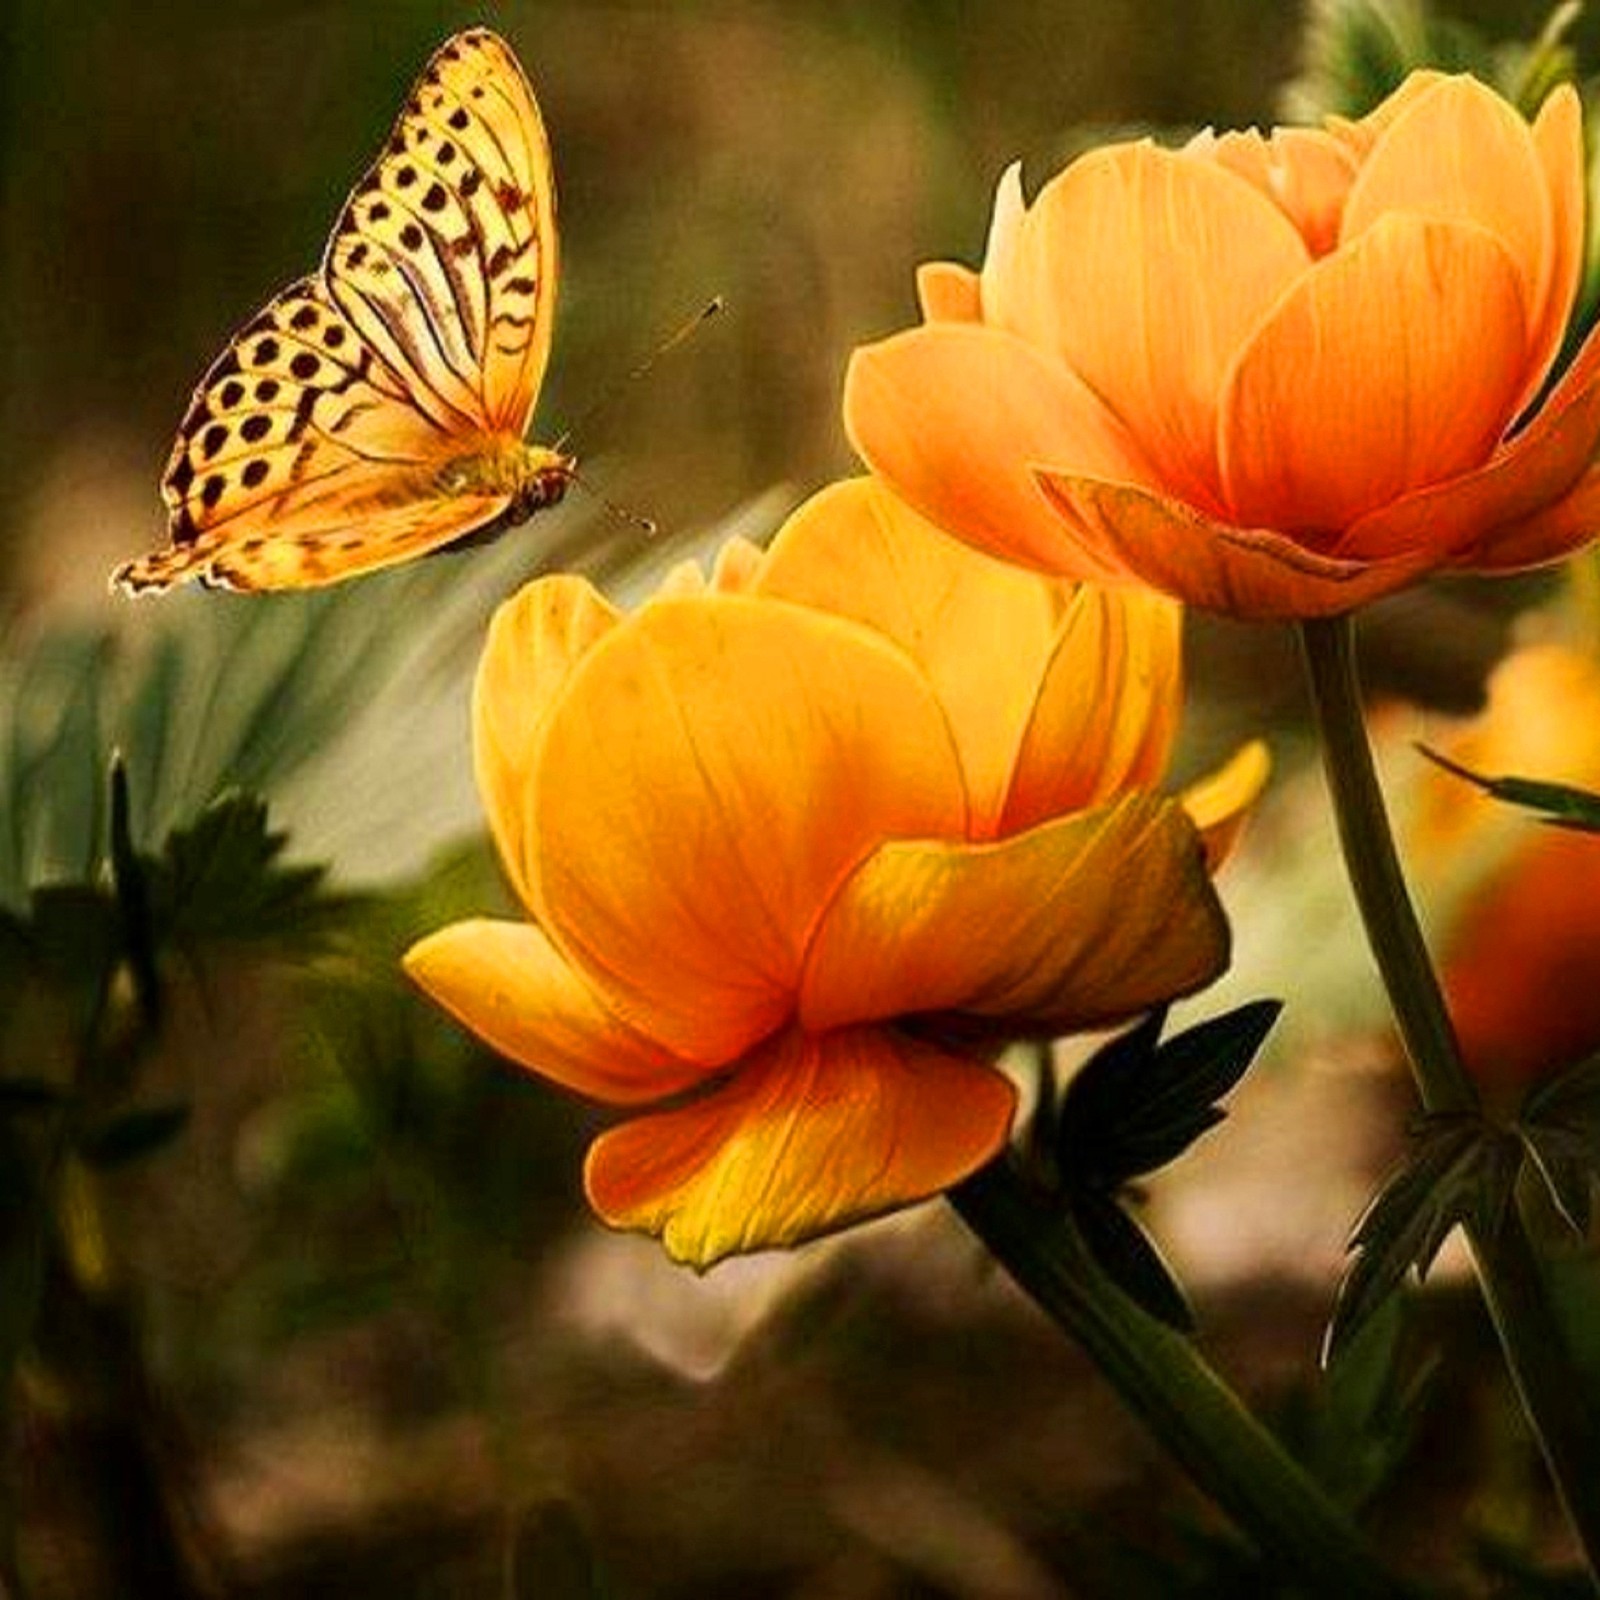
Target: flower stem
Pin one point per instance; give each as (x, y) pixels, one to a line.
(1559, 1409)
(1166, 1381)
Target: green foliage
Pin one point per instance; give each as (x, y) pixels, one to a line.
(1133, 1108)
(1560, 804)
(1461, 1170)
(1559, 1125)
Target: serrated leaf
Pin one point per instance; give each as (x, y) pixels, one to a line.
(1138, 1104)
(1560, 804)
(1128, 1256)
(1462, 1170)
(133, 1136)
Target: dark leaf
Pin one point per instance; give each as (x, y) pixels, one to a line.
(1567, 1163)
(133, 899)
(1461, 1170)
(1561, 805)
(1138, 1104)
(1569, 1099)
(1130, 1259)
(133, 1136)
(20, 1096)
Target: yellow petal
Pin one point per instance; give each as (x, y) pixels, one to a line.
(948, 293)
(535, 640)
(714, 768)
(1145, 271)
(1360, 387)
(1219, 802)
(507, 983)
(952, 417)
(980, 630)
(1240, 572)
(810, 1135)
(999, 287)
(1080, 922)
(1106, 709)
(1459, 153)
(737, 566)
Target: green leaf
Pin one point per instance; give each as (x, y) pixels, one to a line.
(1462, 1170)
(1128, 1256)
(1562, 805)
(1559, 1126)
(1138, 1104)
(133, 1136)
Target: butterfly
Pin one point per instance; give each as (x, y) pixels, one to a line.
(375, 410)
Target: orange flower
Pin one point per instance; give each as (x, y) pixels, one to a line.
(801, 849)
(1521, 901)
(1273, 376)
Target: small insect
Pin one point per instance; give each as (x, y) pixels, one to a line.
(375, 410)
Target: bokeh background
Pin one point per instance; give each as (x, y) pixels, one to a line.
(349, 1332)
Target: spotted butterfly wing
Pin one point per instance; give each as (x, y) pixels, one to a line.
(375, 410)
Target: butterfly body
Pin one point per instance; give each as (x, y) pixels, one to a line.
(375, 410)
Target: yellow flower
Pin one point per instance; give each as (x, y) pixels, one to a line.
(803, 847)
(1270, 376)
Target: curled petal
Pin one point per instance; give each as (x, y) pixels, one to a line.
(1106, 707)
(714, 769)
(1241, 572)
(1360, 387)
(948, 292)
(509, 985)
(535, 640)
(953, 416)
(809, 1135)
(1459, 153)
(1551, 534)
(1219, 802)
(857, 551)
(1145, 271)
(1081, 921)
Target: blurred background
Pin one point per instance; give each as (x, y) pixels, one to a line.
(314, 1309)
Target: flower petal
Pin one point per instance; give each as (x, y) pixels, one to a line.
(998, 283)
(1558, 144)
(951, 416)
(948, 292)
(1459, 153)
(979, 629)
(1145, 271)
(1077, 923)
(1552, 533)
(509, 985)
(809, 1135)
(714, 769)
(1305, 172)
(1240, 572)
(1106, 707)
(535, 640)
(1540, 464)
(1219, 803)
(1360, 137)
(1360, 386)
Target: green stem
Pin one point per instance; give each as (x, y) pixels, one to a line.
(1559, 1409)
(1165, 1380)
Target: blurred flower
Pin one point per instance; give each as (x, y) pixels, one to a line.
(1272, 376)
(1520, 951)
(803, 847)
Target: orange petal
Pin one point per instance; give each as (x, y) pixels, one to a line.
(1240, 572)
(1538, 467)
(1459, 153)
(1558, 144)
(980, 630)
(737, 566)
(999, 288)
(507, 983)
(1360, 137)
(1360, 386)
(1106, 708)
(714, 769)
(1219, 802)
(1146, 271)
(1079, 922)
(810, 1135)
(535, 640)
(948, 292)
(1305, 172)
(952, 416)
(1551, 534)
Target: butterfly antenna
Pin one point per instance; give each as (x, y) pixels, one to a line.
(613, 389)
(618, 514)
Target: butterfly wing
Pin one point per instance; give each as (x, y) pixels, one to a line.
(298, 440)
(444, 257)
(314, 445)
